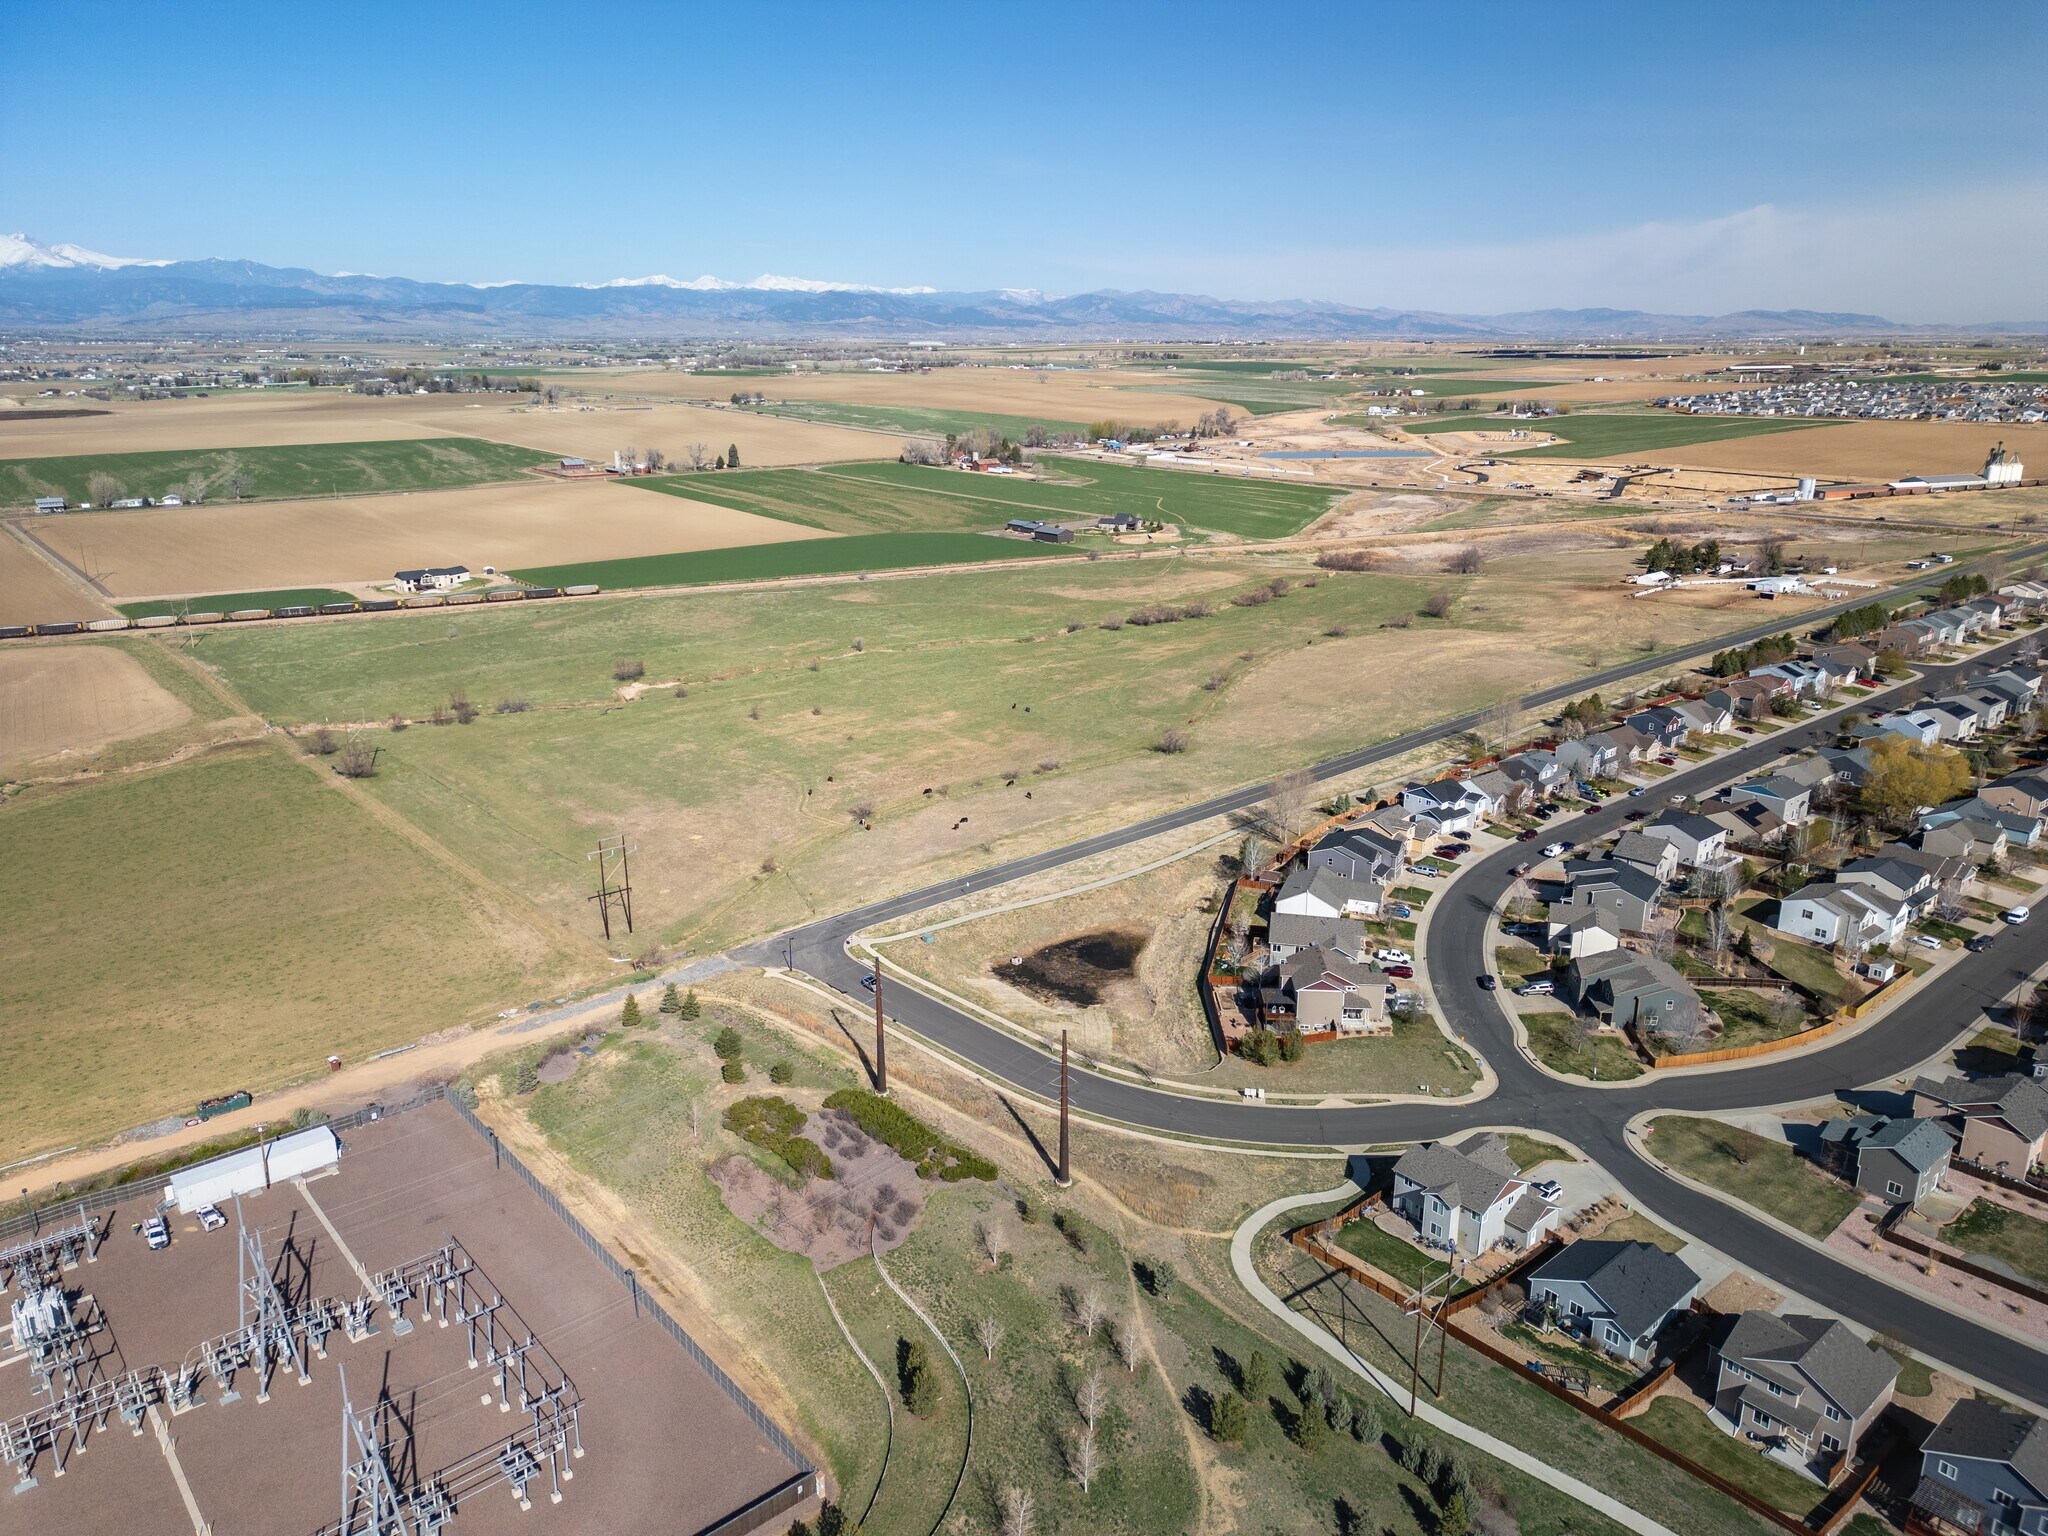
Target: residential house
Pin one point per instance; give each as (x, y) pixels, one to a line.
(2020, 690)
(1907, 638)
(1623, 988)
(1983, 1472)
(1451, 805)
(1746, 698)
(2003, 1121)
(434, 578)
(1700, 842)
(1656, 855)
(1810, 769)
(1847, 660)
(1289, 933)
(1850, 765)
(1899, 1160)
(1469, 1197)
(2021, 829)
(1955, 719)
(1313, 891)
(1664, 726)
(1915, 725)
(1805, 679)
(2025, 792)
(1576, 929)
(1892, 878)
(1854, 918)
(1806, 1384)
(1706, 717)
(1630, 893)
(1508, 795)
(1992, 706)
(1977, 842)
(1790, 800)
(1590, 757)
(1950, 874)
(1632, 745)
(1320, 993)
(1362, 853)
(1541, 771)
(1616, 1295)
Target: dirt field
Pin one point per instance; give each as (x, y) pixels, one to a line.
(404, 1186)
(827, 1220)
(1056, 396)
(247, 419)
(31, 590)
(593, 428)
(222, 547)
(75, 698)
(1862, 450)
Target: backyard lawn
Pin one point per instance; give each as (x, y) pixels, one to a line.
(1557, 1349)
(1752, 1018)
(1687, 1429)
(1559, 1043)
(2017, 1241)
(1392, 1256)
(1766, 1174)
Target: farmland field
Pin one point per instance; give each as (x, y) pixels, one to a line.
(1030, 394)
(1261, 394)
(311, 469)
(593, 427)
(912, 418)
(870, 498)
(75, 699)
(224, 923)
(1880, 450)
(816, 556)
(161, 551)
(235, 418)
(32, 591)
(1597, 437)
(228, 602)
(766, 758)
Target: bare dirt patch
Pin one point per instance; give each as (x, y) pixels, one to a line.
(75, 699)
(1860, 450)
(225, 547)
(828, 1221)
(594, 428)
(239, 420)
(32, 591)
(1082, 970)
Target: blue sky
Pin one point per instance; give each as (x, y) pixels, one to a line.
(1479, 157)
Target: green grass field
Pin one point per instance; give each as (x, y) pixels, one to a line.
(912, 419)
(1252, 389)
(1560, 1044)
(2017, 1240)
(892, 498)
(228, 602)
(804, 557)
(1594, 436)
(221, 924)
(1754, 1169)
(1687, 1430)
(304, 469)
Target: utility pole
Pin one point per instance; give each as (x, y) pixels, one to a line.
(1064, 1177)
(881, 1039)
(613, 893)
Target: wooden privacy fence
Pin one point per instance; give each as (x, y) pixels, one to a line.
(1887, 1229)
(1761, 1048)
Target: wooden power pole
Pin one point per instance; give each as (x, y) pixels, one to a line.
(1065, 1175)
(881, 1040)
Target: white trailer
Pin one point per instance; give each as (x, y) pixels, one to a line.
(240, 1173)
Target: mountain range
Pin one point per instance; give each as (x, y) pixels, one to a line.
(66, 288)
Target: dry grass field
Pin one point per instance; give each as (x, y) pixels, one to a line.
(594, 427)
(1074, 395)
(222, 547)
(32, 591)
(1864, 450)
(74, 699)
(245, 419)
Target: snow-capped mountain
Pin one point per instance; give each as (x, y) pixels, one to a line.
(767, 282)
(18, 250)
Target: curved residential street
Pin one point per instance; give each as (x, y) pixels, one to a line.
(1593, 1118)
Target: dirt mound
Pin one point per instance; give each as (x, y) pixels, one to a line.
(828, 1220)
(1078, 970)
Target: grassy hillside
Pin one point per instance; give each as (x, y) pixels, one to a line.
(302, 469)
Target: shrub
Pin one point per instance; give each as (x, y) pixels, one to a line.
(1398, 621)
(1256, 1374)
(783, 1073)
(1468, 561)
(1353, 560)
(1437, 605)
(733, 1072)
(629, 1015)
(1159, 1278)
(682, 690)
(514, 706)
(912, 1138)
(1292, 1046)
(727, 1044)
(1259, 1047)
(1048, 765)
(399, 722)
(460, 707)
(1336, 631)
(1171, 742)
(625, 670)
(528, 1078)
(773, 1124)
(914, 1377)
(1308, 1429)
(1258, 597)
(322, 743)
(1229, 1419)
(1112, 624)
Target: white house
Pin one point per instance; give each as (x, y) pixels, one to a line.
(1454, 805)
(1700, 842)
(1470, 1197)
(433, 578)
(1322, 892)
(1855, 917)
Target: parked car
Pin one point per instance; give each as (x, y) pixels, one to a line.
(1980, 943)
(1448, 851)
(155, 1233)
(1668, 760)
(1678, 799)
(1553, 850)
(1528, 836)
(1549, 1190)
(1393, 957)
(1746, 730)
(1400, 909)
(1461, 837)
(2015, 915)
(1405, 972)
(1488, 983)
(1522, 869)
(1926, 942)
(1542, 986)
(1591, 809)
(1636, 793)
(210, 1218)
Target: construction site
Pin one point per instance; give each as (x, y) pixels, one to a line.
(390, 1331)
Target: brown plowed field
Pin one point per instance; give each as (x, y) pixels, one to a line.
(31, 591)
(594, 429)
(240, 420)
(76, 697)
(1860, 450)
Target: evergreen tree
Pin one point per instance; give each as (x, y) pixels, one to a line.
(1455, 1518)
(1229, 1419)
(691, 1009)
(728, 1044)
(732, 456)
(629, 1016)
(671, 1000)
(1257, 1373)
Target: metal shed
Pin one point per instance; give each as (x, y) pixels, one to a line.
(252, 1168)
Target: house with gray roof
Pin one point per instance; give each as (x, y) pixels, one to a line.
(2021, 829)
(1663, 725)
(1320, 993)
(1614, 1295)
(1319, 891)
(1452, 805)
(1791, 800)
(1852, 918)
(1632, 894)
(1623, 988)
(1469, 1197)
(1289, 933)
(1653, 855)
(1507, 794)
(1984, 1469)
(2020, 690)
(1706, 717)
(1851, 765)
(1541, 771)
(1576, 929)
(1699, 842)
(1900, 1161)
(1897, 878)
(2002, 1122)
(1364, 853)
(2025, 792)
(1804, 1385)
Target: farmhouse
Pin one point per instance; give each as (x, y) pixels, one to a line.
(1038, 532)
(1616, 1295)
(51, 504)
(435, 578)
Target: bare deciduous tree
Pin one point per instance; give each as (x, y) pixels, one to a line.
(1086, 1458)
(1089, 1311)
(1091, 1397)
(1503, 722)
(1716, 918)
(995, 1242)
(1287, 803)
(988, 1333)
(699, 455)
(1468, 561)
(1125, 1336)
(657, 460)
(101, 488)
(238, 483)
(1020, 1512)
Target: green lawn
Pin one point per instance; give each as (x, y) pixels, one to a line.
(1764, 1173)
(1601, 436)
(228, 602)
(1558, 1042)
(912, 419)
(1813, 969)
(299, 469)
(2014, 1239)
(1745, 1019)
(1601, 1369)
(1687, 1430)
(1391, 1256)
(803, 557)
(881, 498)
(1518, 962)
(1528, 1151)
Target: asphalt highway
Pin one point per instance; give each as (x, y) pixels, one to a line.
(1591, 1117)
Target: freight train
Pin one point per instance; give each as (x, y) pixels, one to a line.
(292, 611)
